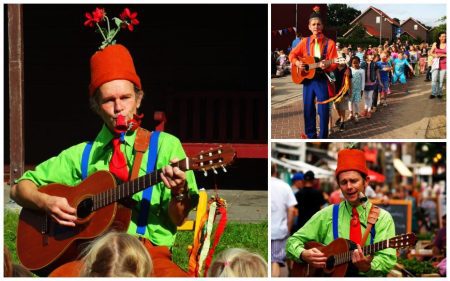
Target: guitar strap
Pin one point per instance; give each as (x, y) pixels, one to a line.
(140, 147)
(371, 220)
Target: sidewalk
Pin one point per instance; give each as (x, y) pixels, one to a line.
(243, 206)
(407, 116)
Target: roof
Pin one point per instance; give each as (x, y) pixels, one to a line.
(412, 35)
(381, 13)
(416, 21)
(372, 31)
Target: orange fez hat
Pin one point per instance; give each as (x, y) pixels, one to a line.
(351, 160)
(112, 63)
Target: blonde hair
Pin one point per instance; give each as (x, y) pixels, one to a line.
(236, 262)
(116, 255)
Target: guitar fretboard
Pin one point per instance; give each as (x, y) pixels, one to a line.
(316, 65)
(367, 250)
(129, 188)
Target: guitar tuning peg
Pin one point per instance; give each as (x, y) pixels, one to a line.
(223, 168)
(214, 170)
(205, 173)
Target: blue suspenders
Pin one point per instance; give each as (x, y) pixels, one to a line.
(147, 193)
(324, 53)
(335, 225)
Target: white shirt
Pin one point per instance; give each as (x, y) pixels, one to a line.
(281, 198)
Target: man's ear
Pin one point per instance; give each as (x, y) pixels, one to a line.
(139, 97)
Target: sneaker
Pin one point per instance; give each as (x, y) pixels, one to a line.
(338, 122)
(432, 97)
(369, 115)
(364, 113)
(341, 127)
(439, 97)
(350, 118)
(374, 109)
(356, 118)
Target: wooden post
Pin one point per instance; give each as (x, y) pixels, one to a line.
(16, 94)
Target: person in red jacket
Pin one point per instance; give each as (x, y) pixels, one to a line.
(323, 49)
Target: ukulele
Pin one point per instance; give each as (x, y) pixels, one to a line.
(43, 244)
(311, 64)
(339, 255)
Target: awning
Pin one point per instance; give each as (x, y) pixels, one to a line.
(376, 177)
(299, 165)
(401, 168)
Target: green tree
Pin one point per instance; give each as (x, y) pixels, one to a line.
(340, 16)
(432, 35)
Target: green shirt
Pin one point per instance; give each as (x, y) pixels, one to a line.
(320, 229)
(66, 169)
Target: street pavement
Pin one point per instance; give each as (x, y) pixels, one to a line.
(407, 116)
(243, 206)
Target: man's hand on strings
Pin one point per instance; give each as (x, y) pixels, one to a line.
(174, 178)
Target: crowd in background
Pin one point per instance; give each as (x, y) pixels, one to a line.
(375, 72)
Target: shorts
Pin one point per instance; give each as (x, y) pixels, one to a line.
(401, 78)
(278, 252)
(385, 86)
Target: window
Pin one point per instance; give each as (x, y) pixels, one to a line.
(415, 27)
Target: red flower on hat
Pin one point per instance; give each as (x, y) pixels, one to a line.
(97, 15)
(316, 9)
(129, 19)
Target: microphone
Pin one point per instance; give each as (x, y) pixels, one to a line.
(362, 197)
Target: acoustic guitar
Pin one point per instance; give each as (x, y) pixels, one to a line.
(339, 256)
(312, 63)
(43, 244)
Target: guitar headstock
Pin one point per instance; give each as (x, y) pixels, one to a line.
(212, 159)
(403, 241)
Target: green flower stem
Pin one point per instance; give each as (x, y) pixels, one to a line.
(101, 32)
(115, 33)
(107, 22)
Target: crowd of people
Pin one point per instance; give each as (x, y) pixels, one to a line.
(374, 72)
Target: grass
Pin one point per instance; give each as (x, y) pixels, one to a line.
(250, 236)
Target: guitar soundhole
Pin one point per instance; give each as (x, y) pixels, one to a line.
(84, 209)
(330, 262)
(306, 67)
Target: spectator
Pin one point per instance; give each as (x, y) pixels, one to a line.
(116, 255)
(236, 262)
(282, 218)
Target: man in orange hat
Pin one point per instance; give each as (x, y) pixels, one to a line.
(348, 219)
(115, 95)
(323, 49)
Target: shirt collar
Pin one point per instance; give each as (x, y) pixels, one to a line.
(318, 36)
(362, 208)
(105, 136)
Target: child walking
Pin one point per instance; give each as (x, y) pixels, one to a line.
(399, 71)
(341, 73)
(371, 72)
(357, 88)
(385, 68)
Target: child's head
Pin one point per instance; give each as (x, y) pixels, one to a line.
(116, 255)
(384, 56)
(400, 55)
(355, 62)
(236, 262)
(368, 56)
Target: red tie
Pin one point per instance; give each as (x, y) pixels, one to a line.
(355, 228)
(118, 164)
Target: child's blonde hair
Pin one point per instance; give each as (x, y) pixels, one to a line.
(236, 262)
(116, 255)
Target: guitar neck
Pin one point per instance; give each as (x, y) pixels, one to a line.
(129, 188)
(316, 65)
(367, 250)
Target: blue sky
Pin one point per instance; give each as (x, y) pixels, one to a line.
(426, 13)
